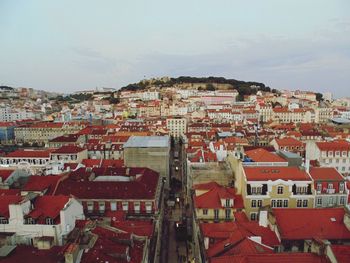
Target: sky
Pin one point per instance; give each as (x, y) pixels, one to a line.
(67, 45)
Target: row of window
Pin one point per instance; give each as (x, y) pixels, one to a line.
(216, 213)
(300, 202)
(113, 206)
(280, 203)
(329, 161)
(336, 153)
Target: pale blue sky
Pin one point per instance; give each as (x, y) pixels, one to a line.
(74, 45)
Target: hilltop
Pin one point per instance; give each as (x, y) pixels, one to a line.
(202, 83)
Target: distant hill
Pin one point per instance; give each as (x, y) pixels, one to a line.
(209, 83)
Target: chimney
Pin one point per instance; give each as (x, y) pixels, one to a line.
(263, 221)
(346, 219)
(307, 165)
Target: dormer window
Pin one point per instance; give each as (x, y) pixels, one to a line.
(341, 187)
(280, 190)
(30, 221)
(228, 202)
(4, 220)
(49, 221)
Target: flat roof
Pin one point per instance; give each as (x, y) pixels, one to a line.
(147, 142)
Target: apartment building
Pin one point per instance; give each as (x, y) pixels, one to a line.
(214, 203)
(44, 219)
(287, 187)
(43, 132)
(330, 187)
(177, 126)
(334, 154)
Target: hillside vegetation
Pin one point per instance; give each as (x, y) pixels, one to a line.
(209, 83)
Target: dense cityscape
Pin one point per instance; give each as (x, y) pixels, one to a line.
(174, 170)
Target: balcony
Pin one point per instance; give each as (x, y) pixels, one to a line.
(330, 191)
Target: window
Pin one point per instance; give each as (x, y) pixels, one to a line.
(330, 201)
(279, 203)
(216, 214)
(280, 190)
(299, 203)
(90, 206)
(205, 211)
(253, 216)
(101, 207)
(273, 203)
(342, 200)
(228, 203)
(228, 213)
(49, 221)
(148, 207)
(341, 187)
(253, 203)
(319, 187)
(305, 203)
(4, 220)
(319, 201)
(285, 203)
(259, 203)
(301, 190)
(30, 221)
(113, 206)
(256, 190)
(137, 207)
(125, 206)
(330, 186)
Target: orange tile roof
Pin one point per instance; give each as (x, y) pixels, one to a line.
(325, 174)
(262, 155)
(275, 173)
(310, 223)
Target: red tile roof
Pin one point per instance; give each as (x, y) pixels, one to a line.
(137, 227)
(334, 146)
(5, 201)
(288, 141)
(25, 153)
(31, 254)
(341, 253)
(212, 198)
(48, 206)
(272, 258)
(143, 188)
(57, 125)
(66, 138)
(235, 232)
(40, 183)
(92, 162)
(275, 173)
(10, 192)
(109, 241)
(325, 174)
(69, 149)
(112, 163)
(262, 155)
(321, 223)
(4, 174)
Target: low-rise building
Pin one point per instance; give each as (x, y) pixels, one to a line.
(214, 203)
(334, 154)
(42, 219)
(287, 187)
(330, 187)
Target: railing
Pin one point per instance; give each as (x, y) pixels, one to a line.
(330, 191)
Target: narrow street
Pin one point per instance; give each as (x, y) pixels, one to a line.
(176, 248)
